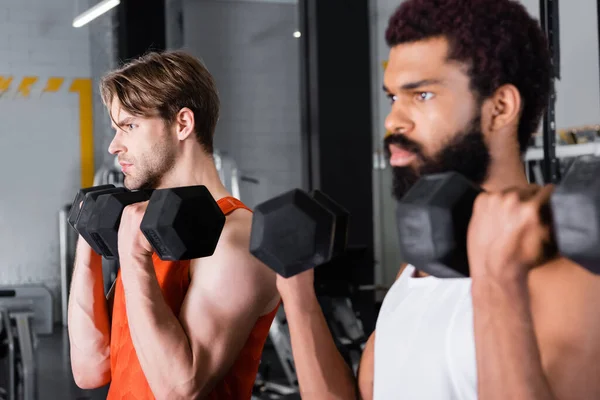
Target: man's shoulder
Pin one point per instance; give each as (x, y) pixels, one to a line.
(235, 236)
(232, 265)
(565, 302)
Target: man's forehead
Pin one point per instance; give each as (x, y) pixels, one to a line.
(421, 60)
(118, 113)
(421, 51)
(117, 110)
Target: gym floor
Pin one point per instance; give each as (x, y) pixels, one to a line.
(55, 380)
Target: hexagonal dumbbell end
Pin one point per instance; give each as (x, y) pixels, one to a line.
(433, 218)
(576, 213)
(183, 223)
(104, 223)
(88, 209)
(292, 233)
(342, 216)
(75, 207)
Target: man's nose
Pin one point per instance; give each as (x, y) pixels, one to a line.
(398, 122)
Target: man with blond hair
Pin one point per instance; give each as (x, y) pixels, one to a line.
(169, 329)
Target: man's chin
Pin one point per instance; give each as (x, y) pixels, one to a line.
(130, 183)
(403, 179)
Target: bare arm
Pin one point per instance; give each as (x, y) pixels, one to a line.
(519, 356)
(321, 369)
(88, 321)
(508, 358)
(565, 305)
(366, 370)
(228, 293)
(322, 372)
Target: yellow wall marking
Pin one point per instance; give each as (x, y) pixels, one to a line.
(384, 65)
(86, 129)
(5, 84)
(53, 85)
(26, 84)
(81, 86)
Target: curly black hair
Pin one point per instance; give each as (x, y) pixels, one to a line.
(497, 39)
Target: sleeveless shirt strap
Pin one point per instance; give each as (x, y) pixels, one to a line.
(229, 204)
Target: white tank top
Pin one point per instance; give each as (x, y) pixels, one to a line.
(424, 343)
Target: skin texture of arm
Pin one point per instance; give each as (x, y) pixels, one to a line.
(508, 356)
(88, 321)
(366, 370)
(546, 355)
(321, 370)
(229, 291)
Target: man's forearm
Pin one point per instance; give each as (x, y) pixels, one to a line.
(321, 370)
(161, 344)
(88, 320)
(508, 358)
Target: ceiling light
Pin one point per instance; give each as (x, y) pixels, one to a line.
(94, 12)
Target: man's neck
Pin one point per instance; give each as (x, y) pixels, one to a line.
(196, 169)
(506, 171)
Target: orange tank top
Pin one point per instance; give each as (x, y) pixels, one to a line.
(127, 378)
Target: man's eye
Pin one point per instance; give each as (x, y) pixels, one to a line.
(424, 96)
(391, 98)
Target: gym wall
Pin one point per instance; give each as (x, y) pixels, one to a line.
(45, 92)
(250, 49)
(578, 91)
(578, 103)
(103, 58)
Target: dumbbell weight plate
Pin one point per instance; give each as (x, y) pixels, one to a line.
(183, 223)
(292, 233)
(342, 216)
(103, 225)
(433, 219)
(87, 209)
(75, 207)
(576, 213)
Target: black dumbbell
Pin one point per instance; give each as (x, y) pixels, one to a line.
(180, 223)
(104, 222)
(183, 223)
(433, 219)
(297, 231)
(79, 197)
(80, 215)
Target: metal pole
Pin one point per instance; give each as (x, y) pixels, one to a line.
(549, 17)
(65, 267)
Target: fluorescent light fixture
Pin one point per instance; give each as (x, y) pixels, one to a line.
(94, 12)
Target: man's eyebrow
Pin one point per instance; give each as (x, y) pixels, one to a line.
(416, 84)
(124, 121)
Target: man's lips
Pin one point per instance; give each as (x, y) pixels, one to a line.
(125, 166)
(400, 157)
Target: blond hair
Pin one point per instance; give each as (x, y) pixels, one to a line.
(160, 85)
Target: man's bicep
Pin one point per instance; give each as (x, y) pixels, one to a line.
(366, 370)
(219, 312)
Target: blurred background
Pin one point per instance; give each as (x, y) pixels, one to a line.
(302, 107)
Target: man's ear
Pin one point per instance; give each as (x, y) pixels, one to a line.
(505, 107)
(184, 123)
